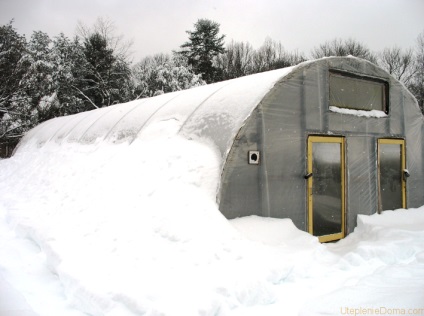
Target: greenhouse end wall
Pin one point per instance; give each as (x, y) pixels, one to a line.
(298, 107)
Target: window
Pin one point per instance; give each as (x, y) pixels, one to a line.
(357, 92)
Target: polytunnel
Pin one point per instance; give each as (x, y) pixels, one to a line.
(319, 143)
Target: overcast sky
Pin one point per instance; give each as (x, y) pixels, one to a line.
(158, 26)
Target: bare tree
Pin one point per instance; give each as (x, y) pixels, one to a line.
(400, 64)
(107, 29)
(339, 47)
(236, 61)
(416, 85)
(272, 55)
(240, 59)
(266, 55)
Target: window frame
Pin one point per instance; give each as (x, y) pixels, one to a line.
(355, 76)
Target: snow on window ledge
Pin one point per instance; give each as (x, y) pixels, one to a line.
(362, 113)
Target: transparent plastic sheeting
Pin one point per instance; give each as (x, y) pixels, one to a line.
(272, 113)
(214, 112)
(297, 108)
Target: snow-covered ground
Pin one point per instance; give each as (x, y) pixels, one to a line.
(135, 230)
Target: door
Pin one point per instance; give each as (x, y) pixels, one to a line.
(392, 174)
(326, 187)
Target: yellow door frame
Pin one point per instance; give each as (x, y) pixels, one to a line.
(326, 139)
(393, 141)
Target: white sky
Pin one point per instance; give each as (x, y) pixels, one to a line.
(158, 26)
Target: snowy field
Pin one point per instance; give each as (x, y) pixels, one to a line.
(123, 230)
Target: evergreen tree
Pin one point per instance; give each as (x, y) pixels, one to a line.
(34, 84)
(68, 62)
(37, 84)
(12, 48)
(100, 61)
(203, 45)
(45, 78)
(107, 77)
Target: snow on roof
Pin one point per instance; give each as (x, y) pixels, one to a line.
(130, 230)
(213, 112)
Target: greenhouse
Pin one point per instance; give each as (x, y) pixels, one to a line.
(319, 143)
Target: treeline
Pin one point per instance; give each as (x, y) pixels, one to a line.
(43, 77)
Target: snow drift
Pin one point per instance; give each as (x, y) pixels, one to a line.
(105, 238)
(131, 226)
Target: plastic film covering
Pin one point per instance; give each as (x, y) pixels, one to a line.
(272, 114)
(299, 107)
(220, 117)
(214, 113)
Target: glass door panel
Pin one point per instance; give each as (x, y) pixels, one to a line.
(326, 187)
(391, 180)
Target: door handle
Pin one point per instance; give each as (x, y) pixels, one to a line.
(406, 173)
(308, 175)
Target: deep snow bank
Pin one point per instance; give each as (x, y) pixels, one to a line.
(136, 229)
(130, 230)
(106, 224)
(385, 258)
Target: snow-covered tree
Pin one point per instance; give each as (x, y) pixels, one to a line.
(100, 61)
(204, 44)
(12, 48)
(34, 84)
(37, 83)
(68, 62)
(45, 78)
(49, 70)
(107, 77)
(163, 73)
(108, 74)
